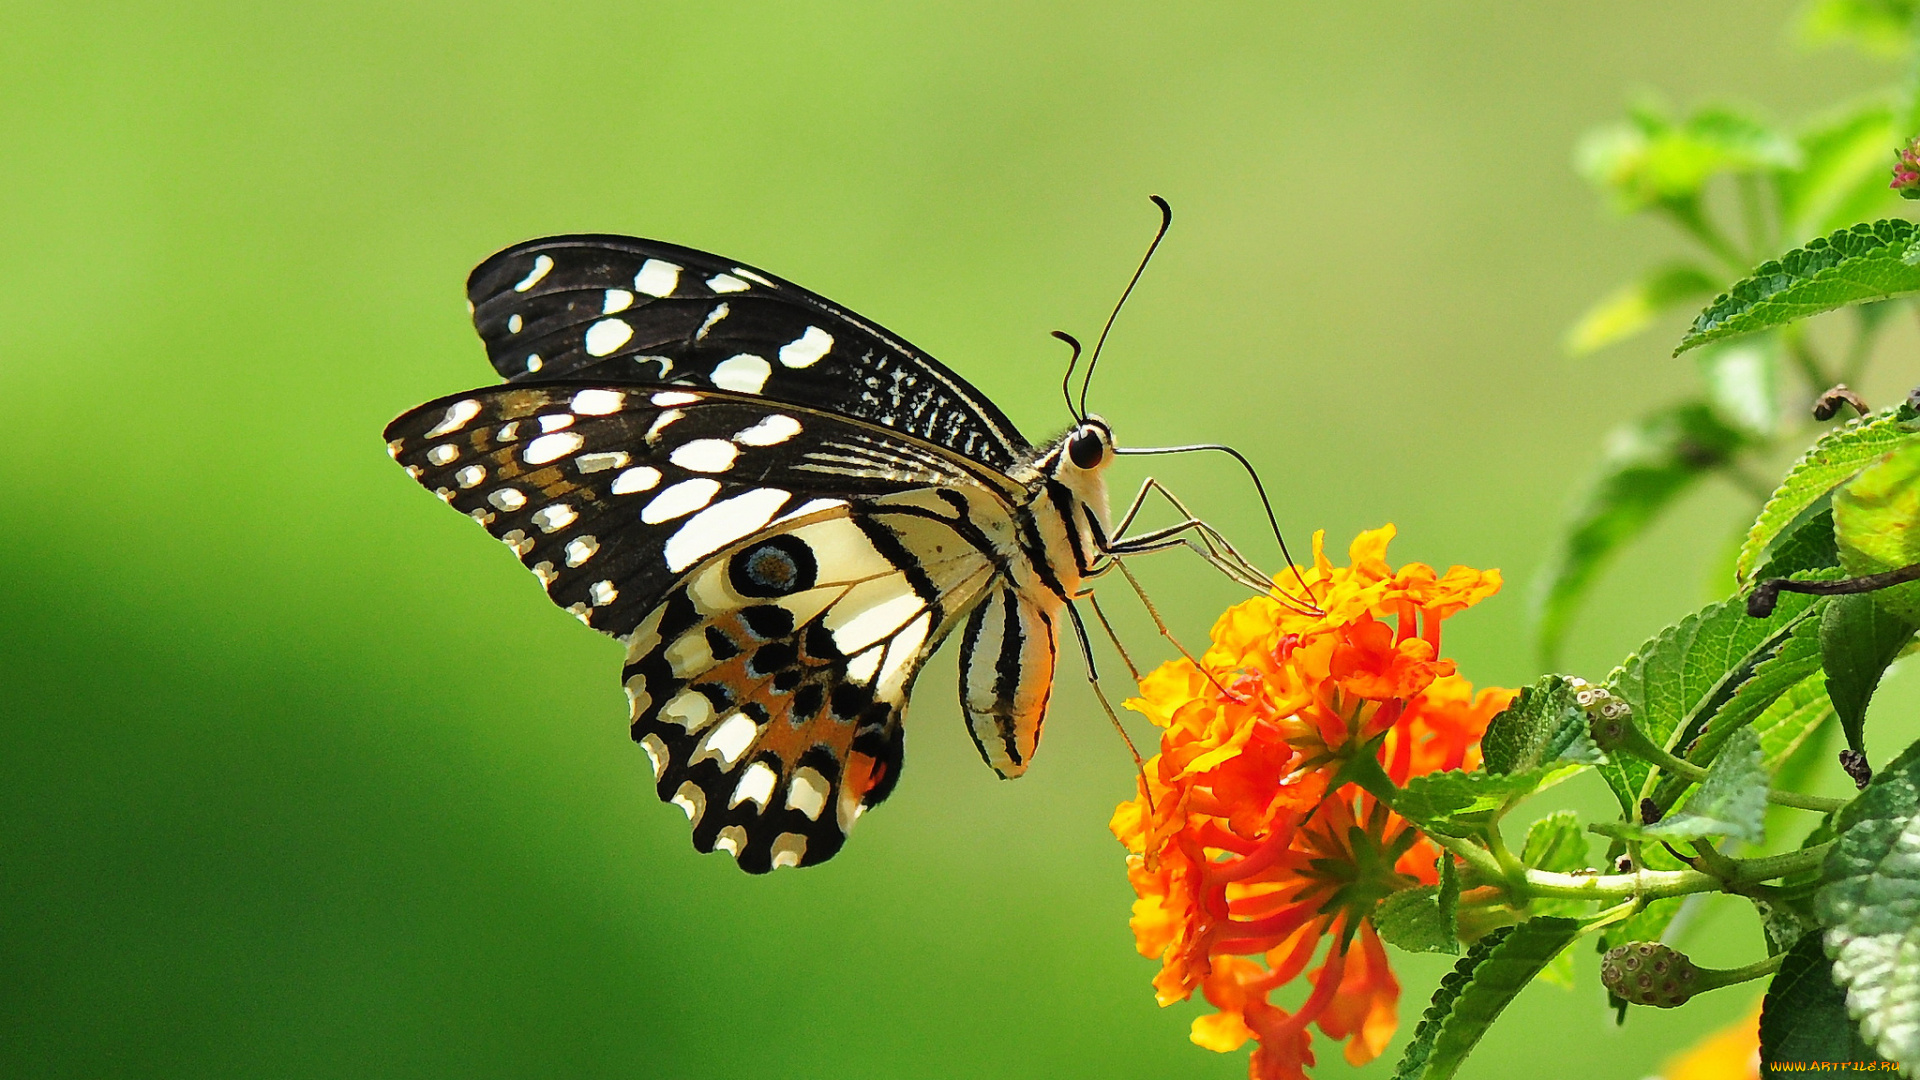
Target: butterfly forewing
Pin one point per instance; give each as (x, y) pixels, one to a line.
(621, 310)
(779, 576)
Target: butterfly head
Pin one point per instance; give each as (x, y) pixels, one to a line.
(1081, 463)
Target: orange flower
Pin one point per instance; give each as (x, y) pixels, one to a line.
(1732, 1053)
(1242, 860)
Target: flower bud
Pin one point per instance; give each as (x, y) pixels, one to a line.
(1608, 718)
(1906, 171)
(1649, 973)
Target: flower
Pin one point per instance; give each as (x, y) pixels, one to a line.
(1906, 171)
(1732, 1053)
(1244, 855)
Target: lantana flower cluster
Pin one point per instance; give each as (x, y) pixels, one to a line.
(1245, 855)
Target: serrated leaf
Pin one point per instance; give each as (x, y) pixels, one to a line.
(1473, 995)
(1876, 523)
(1859, 638)
(1557, 842)
(1544, 726)
(1804, 1018)
(1843, 175)
(1458, 803)
(1421, 919)
(1645, 467)
(1871, 907)
(1792, 718)
(1678, 681)
(1731, 801)
(1743, 382)
(1792, 664)
(1835, 456)
(1849, 266)
(1632, 308)
(1806, 544)
(1652, 159)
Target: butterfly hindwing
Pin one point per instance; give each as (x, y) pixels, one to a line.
(778, 575)
(620, 310)
(767, 688)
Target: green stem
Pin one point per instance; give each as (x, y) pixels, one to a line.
(1646, 885)
(1659, 757)
(1715, 978)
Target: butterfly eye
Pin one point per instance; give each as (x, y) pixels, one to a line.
(1087, 448)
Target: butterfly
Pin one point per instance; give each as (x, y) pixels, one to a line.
(780, 509)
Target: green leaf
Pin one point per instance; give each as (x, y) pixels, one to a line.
(1793, 664)
(1879, 27)
(1557, 842)
(1876, 523)
(1731, 801)
(1475, 992)
(1849, 266)
(1544, 726)
(1843, 175)
(1421, 919)
(1632, 308)
(1805, 1018)
(1652, 159)
(1458, 803)
(1806, 545)
(1743, 382)
(1859, 638)
(1838, 454)
(1871, 907)
(1679, 680)
(1646, 466)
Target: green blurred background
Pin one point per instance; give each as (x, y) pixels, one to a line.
(303, 778)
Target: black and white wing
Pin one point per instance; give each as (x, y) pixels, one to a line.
(779, 575)
(621, 310)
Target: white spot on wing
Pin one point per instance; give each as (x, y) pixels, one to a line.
(807, 792)
(470, 476)
(602, 593)
(867, 626)
(514, 323)
(544, 571)
(812, 506)
(556, 421)
(755, 786)
(703, 455)
(742, 374)
(788, 849)
(444, 453)
(721, 524)
(668, 398)
(726, 283)
(657, 278)
(770, 431)
(861, 668)
(552, 447)
(607, 335)
(691, 799)
(458, 415)
(554, 516)
(680, 500)
(660, 423)
(807, 349)
(901, 653)
(508, 499)
(593, 463)
(731, 840)
(741, 271)
(728, 740)
(719, 312)
(642, 478)
(597, 402)
(580, 549)
(534, 362)
(690, 709)
(657, 755)
(617, 300)
(508, 431)
(541, 264)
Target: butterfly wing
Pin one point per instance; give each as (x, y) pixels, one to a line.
(778, 574)
(619, 309)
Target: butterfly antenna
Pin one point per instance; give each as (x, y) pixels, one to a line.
(1259, 488)
(1066, 381)
(1166, 220)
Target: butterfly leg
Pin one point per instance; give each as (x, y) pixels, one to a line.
(1093, 680)
(1192, 533)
